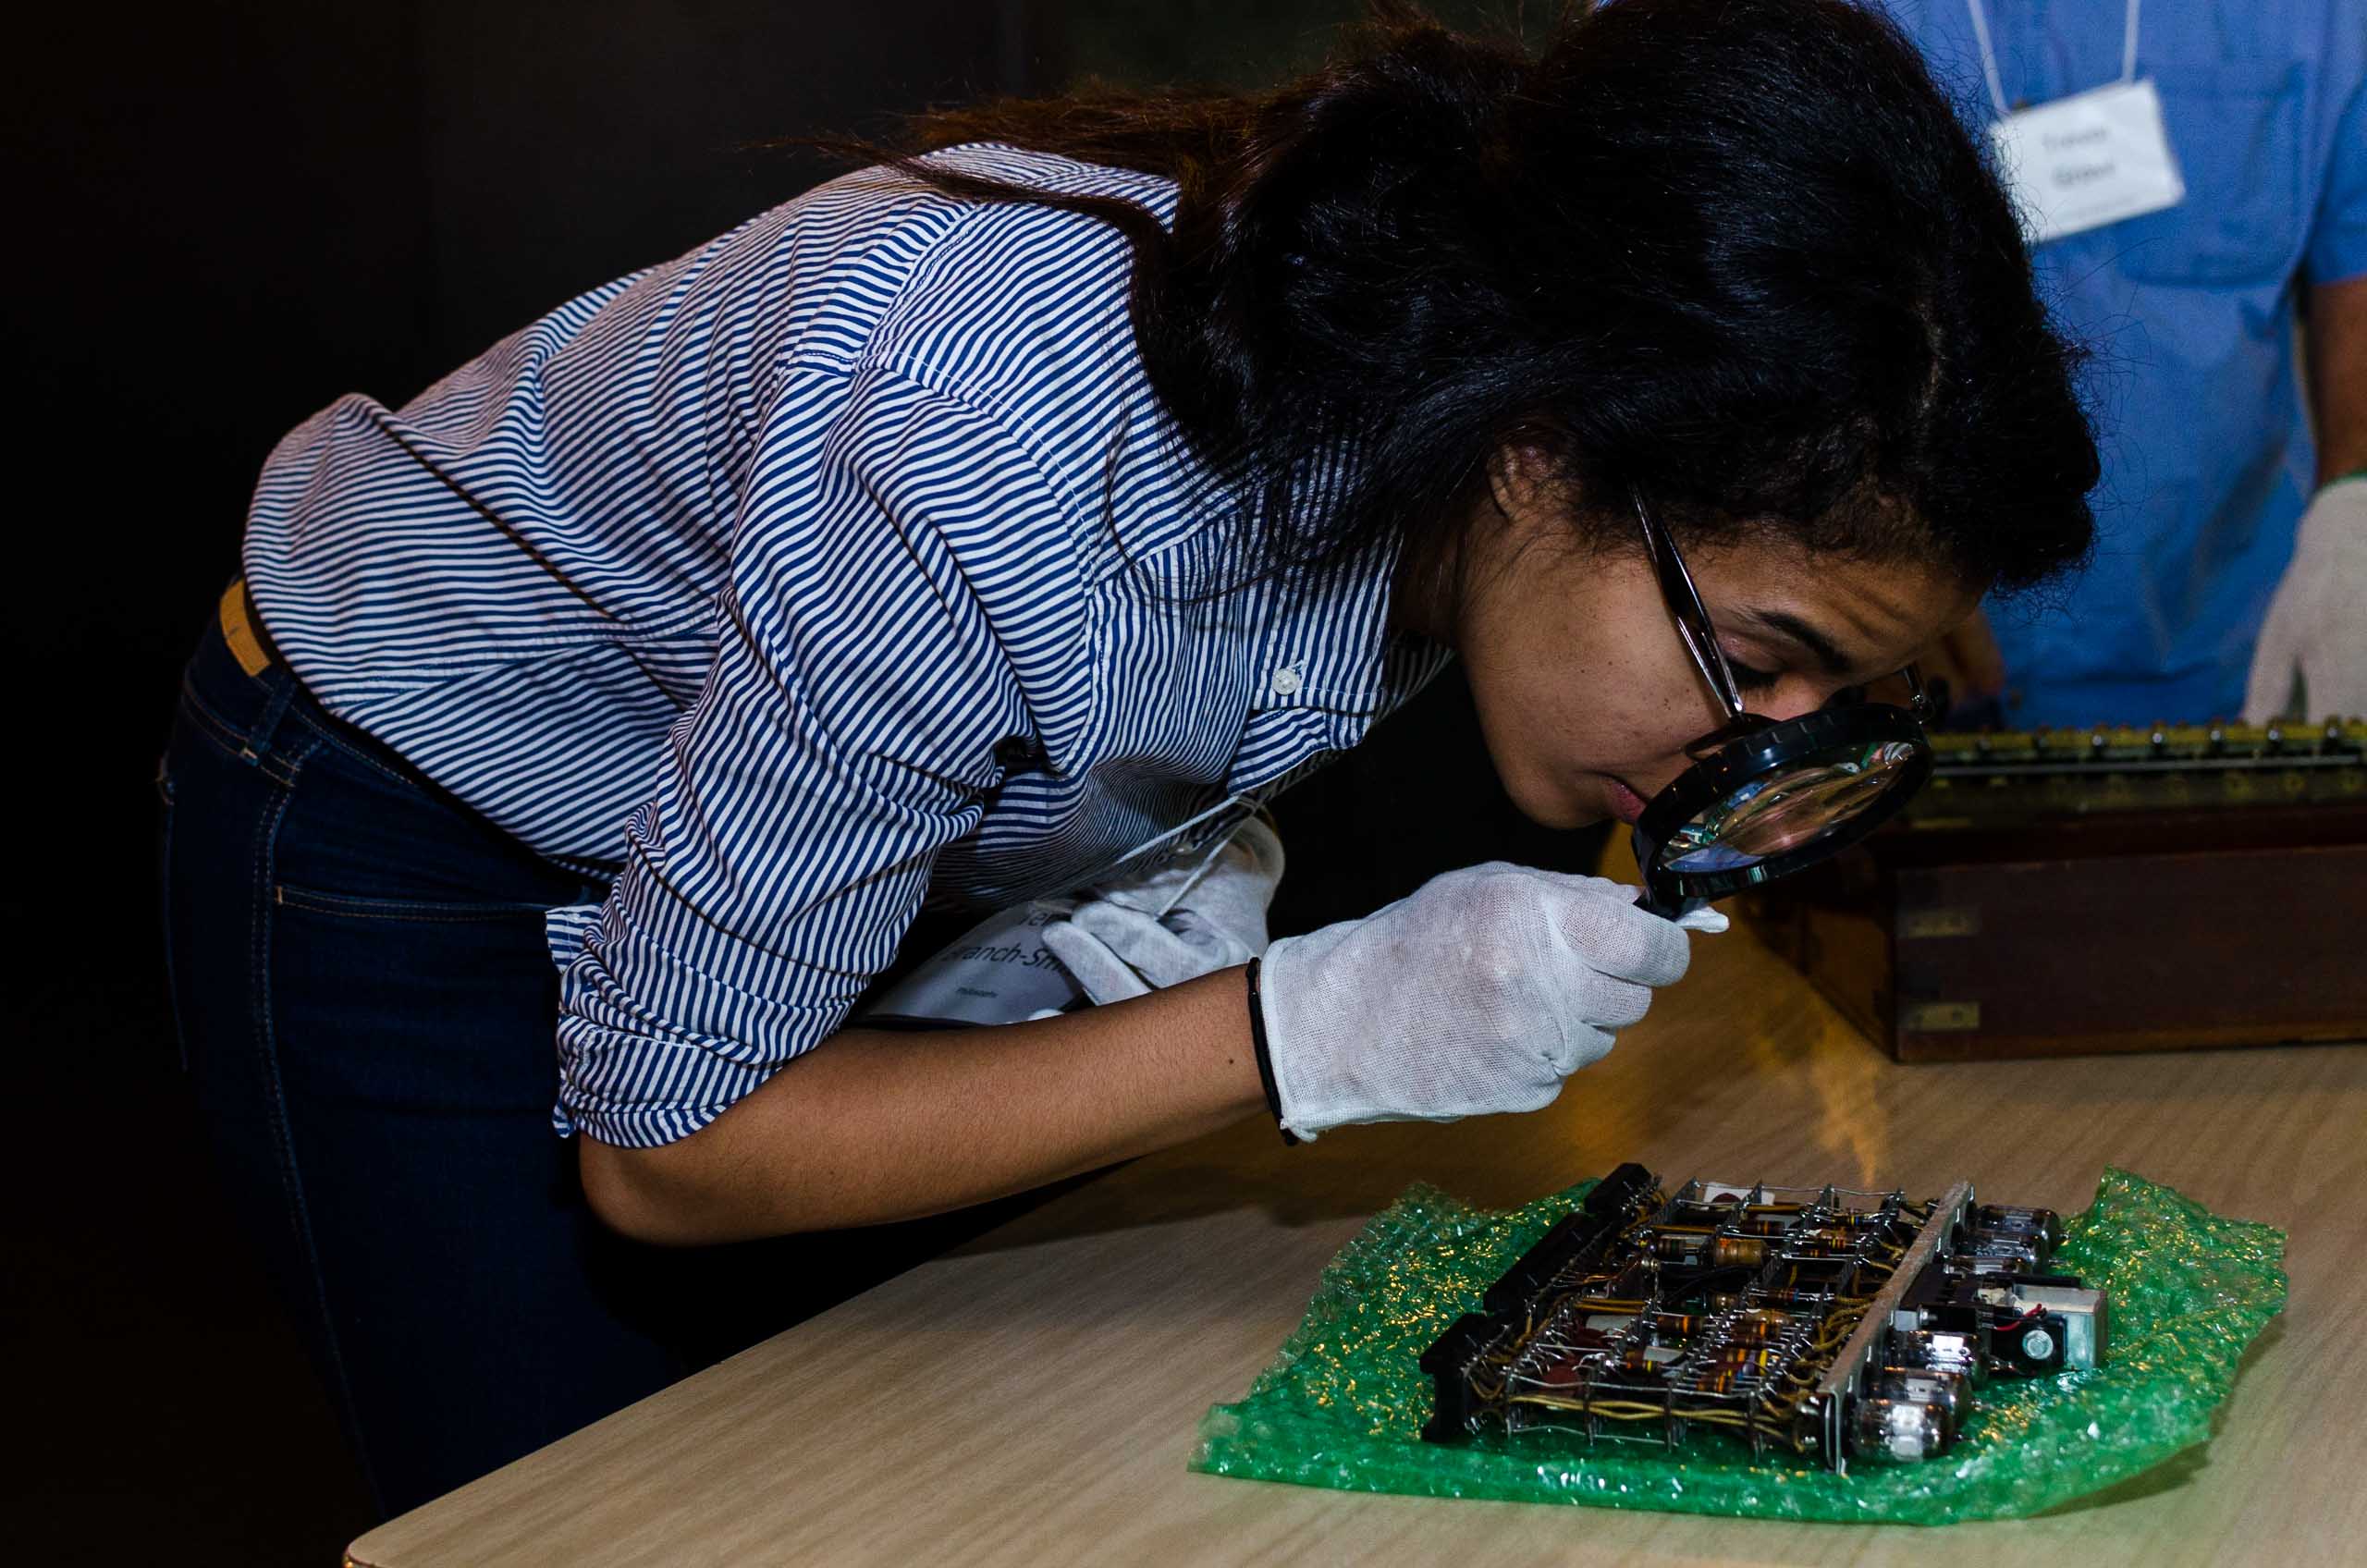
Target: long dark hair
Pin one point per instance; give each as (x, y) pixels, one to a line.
(1738, 253)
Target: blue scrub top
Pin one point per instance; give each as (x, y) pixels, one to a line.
(2196, 383)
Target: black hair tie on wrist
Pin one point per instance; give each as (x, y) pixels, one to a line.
(1265, 1057)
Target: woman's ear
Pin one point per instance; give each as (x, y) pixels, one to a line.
(1522, 482)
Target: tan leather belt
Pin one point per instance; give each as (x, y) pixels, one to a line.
(242, 629)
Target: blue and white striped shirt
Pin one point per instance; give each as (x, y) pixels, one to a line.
(838, 564)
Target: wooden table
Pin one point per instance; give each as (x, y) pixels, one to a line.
(1032, 1399)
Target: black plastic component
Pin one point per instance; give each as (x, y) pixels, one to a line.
(1449, 1361)
(1620, 1191)
(2029, 1347)
(1573, 1238)
(1928, 1289)
(1956, 1318)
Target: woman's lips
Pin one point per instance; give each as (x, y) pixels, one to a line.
(1625, 804)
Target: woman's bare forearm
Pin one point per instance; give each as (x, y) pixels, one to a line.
(872, 1126)
(2337, 356)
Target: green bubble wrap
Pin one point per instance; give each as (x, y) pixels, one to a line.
(1344, 1402)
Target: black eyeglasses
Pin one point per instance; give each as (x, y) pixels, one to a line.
(1766, 797)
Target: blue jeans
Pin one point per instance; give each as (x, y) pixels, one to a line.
(366, 1009)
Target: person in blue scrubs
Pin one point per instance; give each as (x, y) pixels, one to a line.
(2231, 549)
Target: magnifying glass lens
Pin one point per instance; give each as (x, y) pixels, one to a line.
(1793, 805)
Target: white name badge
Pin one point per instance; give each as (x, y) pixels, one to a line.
(2088, 160)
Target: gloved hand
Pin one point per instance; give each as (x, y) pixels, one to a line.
(2315, 624)
(1117, 944)
(1481, 992)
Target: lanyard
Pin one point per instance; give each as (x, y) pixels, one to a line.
(1988, 55)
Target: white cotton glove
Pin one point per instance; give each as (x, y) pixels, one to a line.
(1478, 993)
(2317, 622)
(1125, 939)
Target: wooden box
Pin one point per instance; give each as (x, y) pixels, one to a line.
(2236, 920)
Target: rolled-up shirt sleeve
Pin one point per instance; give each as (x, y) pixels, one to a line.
(848, 731)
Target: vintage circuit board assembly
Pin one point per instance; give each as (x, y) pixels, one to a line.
(1814, 1321)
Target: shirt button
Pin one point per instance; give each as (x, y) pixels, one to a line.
(1286, 682)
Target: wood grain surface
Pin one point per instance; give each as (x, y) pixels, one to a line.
(1032, 1399)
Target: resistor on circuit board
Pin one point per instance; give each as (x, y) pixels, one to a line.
(1758, 1328)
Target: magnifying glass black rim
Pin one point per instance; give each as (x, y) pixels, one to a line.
(1736, 763)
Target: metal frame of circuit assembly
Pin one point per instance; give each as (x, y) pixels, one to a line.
(1845, 1379)
(1834, 1323)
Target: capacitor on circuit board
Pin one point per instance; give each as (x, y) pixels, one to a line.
(1737, 1252)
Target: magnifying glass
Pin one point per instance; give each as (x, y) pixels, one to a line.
(1765, 797)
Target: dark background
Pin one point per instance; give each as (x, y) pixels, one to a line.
(225, 216)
